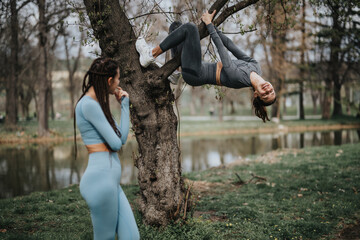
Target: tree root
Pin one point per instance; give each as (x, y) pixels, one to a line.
(241, 182)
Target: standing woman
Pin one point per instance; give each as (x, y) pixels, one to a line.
(100, 185)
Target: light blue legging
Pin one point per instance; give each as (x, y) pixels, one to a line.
(110, 210)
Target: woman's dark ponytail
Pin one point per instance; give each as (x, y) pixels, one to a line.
(260, 108)
(100, 70)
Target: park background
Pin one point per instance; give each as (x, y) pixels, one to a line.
(314, 67)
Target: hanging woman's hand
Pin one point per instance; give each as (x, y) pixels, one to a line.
(207, 17)
(119, 93)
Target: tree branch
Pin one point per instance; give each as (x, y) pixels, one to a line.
(23, 5)
(233, 9)
(153, 13)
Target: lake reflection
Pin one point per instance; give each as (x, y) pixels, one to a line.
(42, 167)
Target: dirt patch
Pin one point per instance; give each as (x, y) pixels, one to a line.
(351, 231)
(203, 187)
(268, 158)
(211, 215)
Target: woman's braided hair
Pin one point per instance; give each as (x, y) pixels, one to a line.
(97, 76)
(260, 108)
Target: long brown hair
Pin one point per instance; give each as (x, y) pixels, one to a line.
(260, 108)
(97, 76)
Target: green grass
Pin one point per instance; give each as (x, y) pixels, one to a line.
(309, 195)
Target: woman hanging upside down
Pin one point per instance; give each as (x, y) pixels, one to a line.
(239, 73)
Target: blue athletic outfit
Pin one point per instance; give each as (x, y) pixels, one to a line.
(100, 185)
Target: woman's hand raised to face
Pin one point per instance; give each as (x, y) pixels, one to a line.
(207, 17)
(119, 93)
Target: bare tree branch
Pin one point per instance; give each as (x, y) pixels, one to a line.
(233, 9)
(23, 5)
(153, 13)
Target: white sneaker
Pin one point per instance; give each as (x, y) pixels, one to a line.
(174, 77)
(145, 52)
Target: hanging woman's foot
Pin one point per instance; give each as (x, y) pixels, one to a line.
(145, 52)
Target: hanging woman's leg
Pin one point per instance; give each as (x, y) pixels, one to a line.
(126, 226)
(187, 34)
(194, 72)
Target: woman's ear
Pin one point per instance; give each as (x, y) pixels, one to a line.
(256, 94)
(110, 80)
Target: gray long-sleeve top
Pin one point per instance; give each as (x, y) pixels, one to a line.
(235, 73)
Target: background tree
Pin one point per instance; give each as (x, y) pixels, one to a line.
(72, 65)
(341, 38)
(50, 15)
(12, 78)
(276, 18)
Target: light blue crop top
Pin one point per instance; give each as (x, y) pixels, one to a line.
(95, 128)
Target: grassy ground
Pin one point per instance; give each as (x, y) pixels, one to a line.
(308, 194)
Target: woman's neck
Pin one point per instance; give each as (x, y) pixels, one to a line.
(91, 93)
(256, 79)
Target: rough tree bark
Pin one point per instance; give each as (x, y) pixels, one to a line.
(42, 101)
(11, 83)
(334, 65)
(153, 119)
(302, 62)
(72, 68)
(277, 49)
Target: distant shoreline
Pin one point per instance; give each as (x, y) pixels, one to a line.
(280, 128)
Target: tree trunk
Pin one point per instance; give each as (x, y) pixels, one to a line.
(326, 103)
(71, 72)
(232, 108)
(314, 98)
(337, 111)
(221, 109)
(277, 49)
(153, 119)
(192, 102)
(335, 64)
(42, 102)
(152, 115)
(51, 100)
(11, 82)
(302, 63)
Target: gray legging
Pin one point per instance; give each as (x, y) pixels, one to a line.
(194, 72)
(234, 74)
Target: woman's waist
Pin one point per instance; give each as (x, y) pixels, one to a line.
(103, 160)
(97, 147)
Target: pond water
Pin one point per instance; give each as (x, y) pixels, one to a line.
(43, 167)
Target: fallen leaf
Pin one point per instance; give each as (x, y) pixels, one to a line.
(3, 230)
(300, 195)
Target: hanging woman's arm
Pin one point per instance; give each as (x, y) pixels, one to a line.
(224, 56)
(233, 48)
